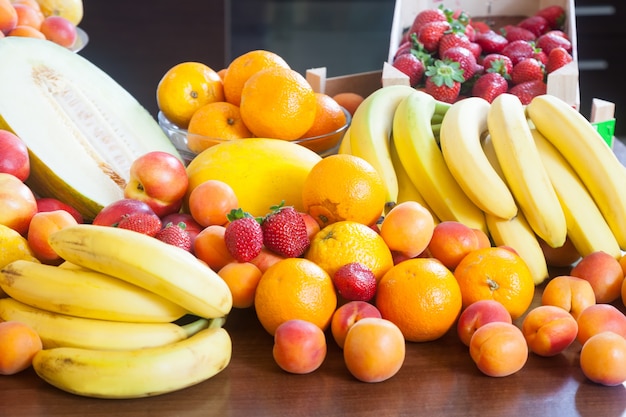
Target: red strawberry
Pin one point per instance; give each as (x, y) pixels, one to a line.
(499, 63)
(554, 15)
(480, 27)
(557, 58)
(549, 41)
(444, 80)
(430, 34)
(426, 16)
(528, 90)
(355, 282)
(175, 234)
(464, 57)
(491, 42)
(518, 50)
(243, 236)
(410, 65)
(285, 232)
(489, 86)
(528, 69)
(146, 223)
(516, 33)
(540, 56)
(404, 48)
(450, 40)
(538, 25)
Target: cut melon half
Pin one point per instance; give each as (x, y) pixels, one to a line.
(82, 129)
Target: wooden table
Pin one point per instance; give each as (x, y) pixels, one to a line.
(438, 379)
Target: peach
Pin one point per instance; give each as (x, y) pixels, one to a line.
(499, 349)
(59, 30)
(374, 349)
(242, 279)
(17, 203)
(599, 318)
(42, 225)
(549, 330)
(312, 226)
(209, 246)
(8, 16)
(603, 359)
(299, 346)
(407, 228)
(477, 315)
(451, 241)
(265, 259)
(603, 272)
(483, 238)
(572, 294)
(348, 314)
(210, 202)
(28, 15)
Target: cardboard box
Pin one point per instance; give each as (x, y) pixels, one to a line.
(363, 83)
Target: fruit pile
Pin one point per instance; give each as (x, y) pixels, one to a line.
(451, 56)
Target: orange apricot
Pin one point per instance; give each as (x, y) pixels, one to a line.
(349, 101)
(299, 346)
(8, 16)
(28, 16)
(209, 246)
(603, 272)
(407, 228)
(242, 279)
(499, 349)
(603, 358)
(42, 225)
(599, 318)
(26, 32)
(451, 241)
(19, 343)
(572, 294)
(549, 330)
(211, 201)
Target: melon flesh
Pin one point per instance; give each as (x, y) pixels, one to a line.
(82, 129)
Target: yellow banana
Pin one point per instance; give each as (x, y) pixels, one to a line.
(171, 272)
(85, 293)
(461, 130)
(517, 234)
(423, 161)
(587, 153)
(138, 372)
(56, 330)
(344, 146)
(523, 170)
(586, 227)
(370, 133)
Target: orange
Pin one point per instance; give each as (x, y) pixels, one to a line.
(349, 101)
(243, 67)
(421, 297)
(496, 273)
(344, 187)
(295, 288)
(214, 123)
(278, 103)
(344, 242)
(185, 88)
(18, 343)
(329, 117)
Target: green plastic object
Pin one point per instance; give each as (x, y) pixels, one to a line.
(606, 129)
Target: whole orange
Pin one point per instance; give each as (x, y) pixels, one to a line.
(185, 88)
(496, 273)
(347, 241)
(421, 297)
(343, 187)
(214, 123)
(294, 288)
(19, 343)
(278, 103)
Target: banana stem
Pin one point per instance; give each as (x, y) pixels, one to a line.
(442, 107)
(436, 128)
(436, 119)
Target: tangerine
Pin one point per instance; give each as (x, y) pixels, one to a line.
(213, 123)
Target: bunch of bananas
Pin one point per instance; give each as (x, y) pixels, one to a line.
(520, 173)
(124, 316)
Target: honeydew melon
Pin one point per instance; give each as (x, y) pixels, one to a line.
(82, 129)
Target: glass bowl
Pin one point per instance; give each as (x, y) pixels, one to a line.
(81, 40)
(323, 145)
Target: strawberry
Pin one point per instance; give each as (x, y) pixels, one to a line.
(404, 48)
(499, 63)
(528, 69)
(518, 50)
(549, 41)
(526, 91)
(430, 34)
(410, 65)
(451, 40)
(538, 25)
(444, 80)
(464, 57)
(243, 236)
(540, 56)
(480, 27)
(491, 42)
(516, 33)
(489, 86)
(426, 16)
(557, 58)
(285, 232)
(355, 282)
(146, 223)
(554, 15)
(175, 234)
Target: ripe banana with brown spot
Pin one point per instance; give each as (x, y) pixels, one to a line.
(139, 372)
(173, 273)
(462, 130)
(523, 169)
(422, 159)
(586, 227)
(587, 153)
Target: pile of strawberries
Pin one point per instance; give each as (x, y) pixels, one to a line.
(450, 56)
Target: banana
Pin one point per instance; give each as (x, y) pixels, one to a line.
(517, 234)
(370, 133)
(523, 170)
(56, 330)
(586, 227)
(344, 146)
(460, 138)
(85, 293)
(587, 153)
(423, 161)
(173, 273)
(139, 372)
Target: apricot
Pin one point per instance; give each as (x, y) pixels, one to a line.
(312, 226)
(210, 247)
(374, 349)
(211, 201)
(26, 32)
(572, 294)
(407, 228)
(19, 343)
(28, 15)
(499, 349)
(348, 314)
(603, 358)
(483, 238)
(299, 346)
(603, 272)
(42, 225)
(477, 315)
(599, 318)
(8, 16)
(451, 241)
(265, 259)
(242, 279)
(549, 330)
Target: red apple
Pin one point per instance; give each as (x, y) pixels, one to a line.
(52, 204)
(14, 157)
(17, 203)
(113, 213)
(59, 30)
(159, 179)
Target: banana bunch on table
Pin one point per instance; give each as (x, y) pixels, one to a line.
(520, 173)
(124, 316)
